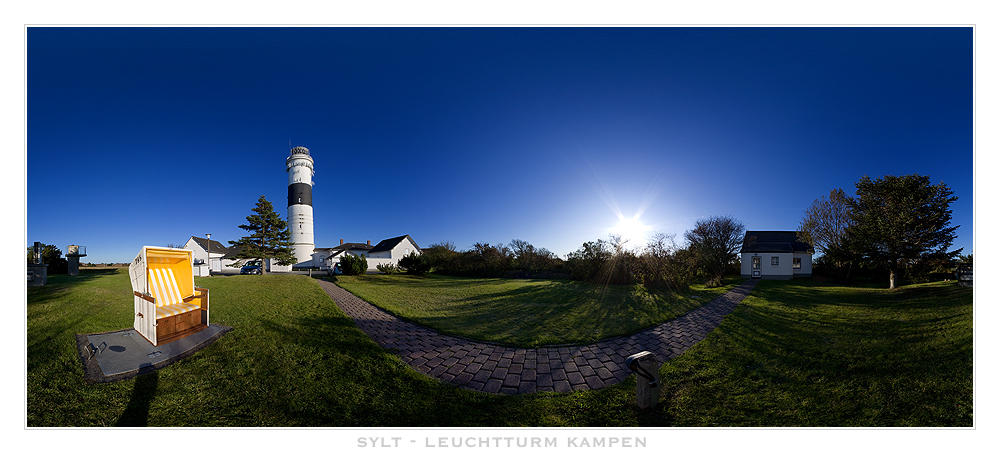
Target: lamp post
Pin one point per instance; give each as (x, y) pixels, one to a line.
(208, 259)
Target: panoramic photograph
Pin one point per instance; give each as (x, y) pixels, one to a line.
(499, 227)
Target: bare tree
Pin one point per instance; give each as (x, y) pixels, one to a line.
(826, 226)
(664, 264)
(715, 242)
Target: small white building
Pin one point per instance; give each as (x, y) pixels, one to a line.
(206, 254)
(326, 257)
(394, 248)
(775, 255)
(385, 252)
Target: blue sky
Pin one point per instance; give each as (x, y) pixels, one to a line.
(147, 136)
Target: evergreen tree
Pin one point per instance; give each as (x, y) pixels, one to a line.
(51, 256)
(903, 220)
(269, 237)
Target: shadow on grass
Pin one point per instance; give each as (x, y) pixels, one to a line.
(136, 413)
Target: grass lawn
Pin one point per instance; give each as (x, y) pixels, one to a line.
(526, 313)
(793, 354)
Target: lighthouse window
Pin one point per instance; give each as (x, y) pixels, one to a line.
(300, 199)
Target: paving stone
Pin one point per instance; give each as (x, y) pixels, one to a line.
(462, 379)
(483, 375)
(473, 368)
(562, 386)
(528, 375)
(492, 386)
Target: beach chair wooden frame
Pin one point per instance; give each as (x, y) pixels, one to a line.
(167, 304)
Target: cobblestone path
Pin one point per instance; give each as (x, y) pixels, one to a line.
(492, 368)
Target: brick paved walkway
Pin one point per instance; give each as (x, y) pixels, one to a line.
(492, 368)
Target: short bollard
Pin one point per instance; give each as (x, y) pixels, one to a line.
(647, 380)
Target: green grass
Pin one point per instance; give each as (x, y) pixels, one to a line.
(794, 354)
(805, 354)
(526, 313)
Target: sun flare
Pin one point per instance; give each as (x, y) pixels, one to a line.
(631, 230)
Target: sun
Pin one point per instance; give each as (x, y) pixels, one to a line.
(631, 230)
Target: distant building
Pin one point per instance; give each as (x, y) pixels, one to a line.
(385, 252)
(206, 255)
(775, 255)
(326, 257)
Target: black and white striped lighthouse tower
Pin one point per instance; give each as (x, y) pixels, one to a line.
(299, 166)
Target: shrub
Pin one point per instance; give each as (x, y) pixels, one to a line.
(353, 265)
(414, 264)
(387, 268)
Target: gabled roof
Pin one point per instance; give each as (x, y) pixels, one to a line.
(387, 245)
(773, 241)
(349, 246)
(217, 247)
(232, 252)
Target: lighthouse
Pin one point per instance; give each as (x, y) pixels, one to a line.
(299, 166)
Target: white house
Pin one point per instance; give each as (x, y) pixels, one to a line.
(775, 255)
(394, 248)
(386, 251)
(326, 257)
(206, 254)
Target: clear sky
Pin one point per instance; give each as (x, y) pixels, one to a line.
(147, 136)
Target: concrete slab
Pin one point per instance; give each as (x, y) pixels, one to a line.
(122, 354)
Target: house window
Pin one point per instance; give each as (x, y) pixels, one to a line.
(774, 261)
(797, 263)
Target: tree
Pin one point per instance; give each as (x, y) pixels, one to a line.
(443, 257)
(903, 220)
(414, 264)
(825, 226)
(353, 265)
(585, 263)
(51, 256)
(664, 264)
(269, 237)
(529, 258)
(715, 242)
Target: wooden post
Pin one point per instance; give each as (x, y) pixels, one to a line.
(647, 379)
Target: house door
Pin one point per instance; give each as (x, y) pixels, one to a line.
(755, 267)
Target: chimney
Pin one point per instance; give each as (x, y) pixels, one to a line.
(369, 242)
(341, 241)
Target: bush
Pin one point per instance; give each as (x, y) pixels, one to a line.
(353, 265)
(414, 264)
(387, 268)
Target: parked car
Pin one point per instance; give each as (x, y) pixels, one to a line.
(334, 270)
(252, 267)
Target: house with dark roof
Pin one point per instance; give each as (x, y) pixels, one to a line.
(387, 251)
(326, 257)
(205, 254)
(394, 248)
(775, 255)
